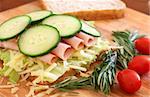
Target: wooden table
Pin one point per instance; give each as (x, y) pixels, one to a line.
(7, 4)
(140, 5)
(132, 20)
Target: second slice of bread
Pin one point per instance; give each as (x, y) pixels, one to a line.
(87, 9)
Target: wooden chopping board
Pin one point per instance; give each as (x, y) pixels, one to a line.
(133, 20)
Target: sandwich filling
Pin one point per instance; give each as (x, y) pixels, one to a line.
(44, 52)
(16, 64)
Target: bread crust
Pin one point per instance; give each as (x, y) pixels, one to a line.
(98, 14)
(93, 14)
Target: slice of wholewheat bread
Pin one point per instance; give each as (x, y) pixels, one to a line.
(87, 9)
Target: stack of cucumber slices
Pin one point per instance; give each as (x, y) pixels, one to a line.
(40, 32)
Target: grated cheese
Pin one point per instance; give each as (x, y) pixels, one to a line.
(84, 74)
(41, 87)
(24, 77)
(78, 67)
(37, 80)
(8, 71)
(50, 90)
(2, 79)
(16, 95)
(42, 94)
(29, 83)
(43, 73)
(86, 55)
(35, 67)
(51, 67)
(31, 92)
(8, 86)
(15, 59)
(90, 51)
(65, 63)
(14, 90)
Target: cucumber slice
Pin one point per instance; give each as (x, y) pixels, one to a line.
(86, 28)
(39, 15)
(38, 40)
(13, 27)
(67, 25)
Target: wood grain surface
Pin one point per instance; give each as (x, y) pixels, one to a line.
(140, 5)
(133, 20)
(7, 4)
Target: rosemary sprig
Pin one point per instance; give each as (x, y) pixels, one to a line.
(72, 83)
(125, 39)
(104, 74)
(101, 79)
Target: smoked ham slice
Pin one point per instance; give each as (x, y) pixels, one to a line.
(9, 45)
(63, 51)
(75, 42)
(88, 39)
(49, 58)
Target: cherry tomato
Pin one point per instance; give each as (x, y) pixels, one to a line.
(129, 80)
(140, 64)
(143, 45)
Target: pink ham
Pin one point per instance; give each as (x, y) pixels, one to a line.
(88, 39)
(75, 42)
(9, 45)
(63, 51)
(49, 58)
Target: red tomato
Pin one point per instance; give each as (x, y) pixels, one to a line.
(140, 64)
(129, 80)
(143, 45)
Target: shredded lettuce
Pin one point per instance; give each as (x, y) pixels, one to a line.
(88, 55)
(4, 55)
(13, 63)
(3, 70)
(12, 75)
